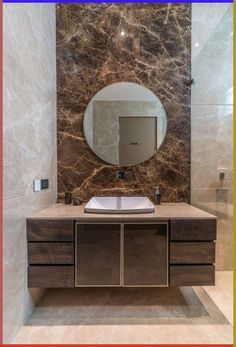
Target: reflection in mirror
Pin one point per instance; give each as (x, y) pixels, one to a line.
(125, 124)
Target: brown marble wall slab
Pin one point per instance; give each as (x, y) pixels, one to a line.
(91, 54)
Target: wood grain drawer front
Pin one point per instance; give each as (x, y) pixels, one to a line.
(192, 275)
(51, 253)
(51, 276)
(192, 252)
(193, 230)
(50, 230)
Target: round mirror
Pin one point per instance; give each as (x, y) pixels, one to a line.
(125, 124)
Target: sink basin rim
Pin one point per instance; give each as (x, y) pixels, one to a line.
(141, 204)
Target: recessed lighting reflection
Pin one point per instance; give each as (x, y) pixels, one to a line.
(122, 33)
(196, 44)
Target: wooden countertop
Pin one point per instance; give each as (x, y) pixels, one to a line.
(162, 212)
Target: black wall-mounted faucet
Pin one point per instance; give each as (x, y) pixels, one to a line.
(124, 174)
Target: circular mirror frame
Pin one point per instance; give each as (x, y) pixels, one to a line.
(88, 117)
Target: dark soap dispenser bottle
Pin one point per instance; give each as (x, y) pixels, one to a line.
(157, 196)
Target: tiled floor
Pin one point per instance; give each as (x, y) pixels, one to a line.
(129, 315)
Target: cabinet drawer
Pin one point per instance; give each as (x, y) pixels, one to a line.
(192, 252)
(50, 230)
(51, 276)
(192, 275)
(51, 253)
(193, 230)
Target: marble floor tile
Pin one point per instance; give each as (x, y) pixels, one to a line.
(151, 315)
(222, 296)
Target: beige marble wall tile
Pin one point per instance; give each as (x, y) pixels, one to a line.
(212, 120)
(29, 97)
(212, 54)
(208, 12)
(204, 31)
(205, 21)
(212, 145)
(29, 144)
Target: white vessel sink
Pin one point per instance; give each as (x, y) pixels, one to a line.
(119, 205)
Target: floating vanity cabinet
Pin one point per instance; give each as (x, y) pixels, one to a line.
(51, 251)
(192, 252)
(146, 254)
(173, 246)
(97, 254)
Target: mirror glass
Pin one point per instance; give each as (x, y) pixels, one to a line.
(125, 124)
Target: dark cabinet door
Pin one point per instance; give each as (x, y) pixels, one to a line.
(145, 254)
(98, 254)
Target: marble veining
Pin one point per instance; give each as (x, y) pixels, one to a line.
(100, 44)
(212, 120)
(29, 145)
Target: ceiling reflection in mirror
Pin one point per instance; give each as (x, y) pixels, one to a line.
(125, 124)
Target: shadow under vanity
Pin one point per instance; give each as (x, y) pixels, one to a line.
(173, 246)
